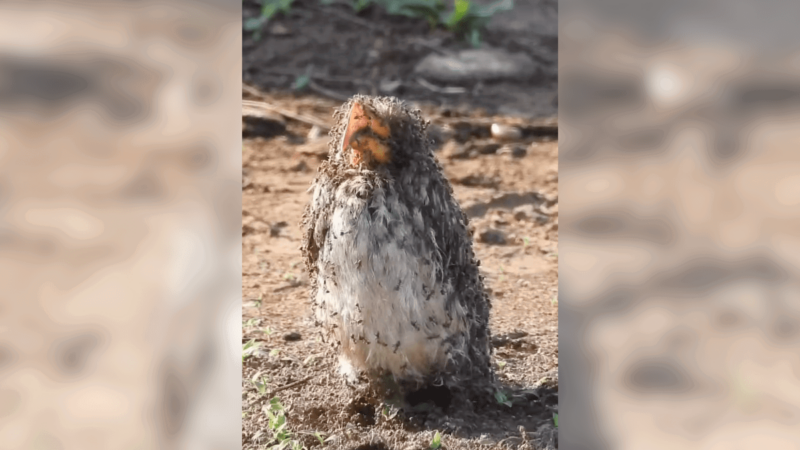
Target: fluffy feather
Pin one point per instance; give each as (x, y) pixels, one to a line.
(395, 285)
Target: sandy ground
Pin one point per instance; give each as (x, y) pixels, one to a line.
(513, 195)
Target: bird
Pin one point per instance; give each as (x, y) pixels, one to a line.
(395, 285)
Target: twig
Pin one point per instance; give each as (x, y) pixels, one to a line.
(326, 92)
(260, 104)
(442, 90)
(290, 385)
(430, 46)
(295, 74)
(252, 91)
(356, 20)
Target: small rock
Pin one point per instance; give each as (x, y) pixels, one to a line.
(475, 65)
(519, 152)
(505, 132)
(515, 151)
(479, 180)
(485, 148)
(300, 166)
(291, 337)
(497, 219)
(278, 30)
(318, 148)
(529, 213)
(275, 228)
(262, 125)
(454, 150)
(492, 236)
(315, 133)
(388, 86)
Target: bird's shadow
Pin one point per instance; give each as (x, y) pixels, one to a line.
(514, 412)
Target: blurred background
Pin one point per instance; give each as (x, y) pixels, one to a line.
(679, 313)
(119, 225)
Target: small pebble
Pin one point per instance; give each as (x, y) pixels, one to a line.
(529, 213)
(505, 132)
(492, 236)
(388, 86)
(515, 151)
(315, 133)
(300, 166)
(454, 150)
(293, 336)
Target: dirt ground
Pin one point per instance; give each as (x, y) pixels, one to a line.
(509, 190)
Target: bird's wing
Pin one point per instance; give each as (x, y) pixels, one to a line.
(316, 222)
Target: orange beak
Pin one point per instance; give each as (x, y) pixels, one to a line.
(366, 134)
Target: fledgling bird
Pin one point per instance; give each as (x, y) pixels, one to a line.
(395, 284)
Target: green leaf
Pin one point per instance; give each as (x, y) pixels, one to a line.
(249, 348)
(280, 446)
(300, 83)
(319, 435)
(487, 11)
(285, 5)
(427, 9)
(360, 5)
(475, 37)
(555, 419)
(502, 398)
(461, 9)
(437, 441)
(254, 23)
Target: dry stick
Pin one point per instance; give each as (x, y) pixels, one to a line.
(313, 76)
(433, 47)
(356, 20)
(260, 104)
(290, 385)
(326, 92)
(252, 91)
(443, 90)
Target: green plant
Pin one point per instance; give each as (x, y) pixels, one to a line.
(360, 5)
(277, 425)
(468, 19)
(430, 10)
(268, 10)
(555, 419)
(249, 348)
(299, 84)
(502, 398)
(260, 383)
(436, 442)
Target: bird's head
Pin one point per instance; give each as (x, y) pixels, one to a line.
(376, 131)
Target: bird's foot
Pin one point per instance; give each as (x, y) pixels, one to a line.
(350, 374)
